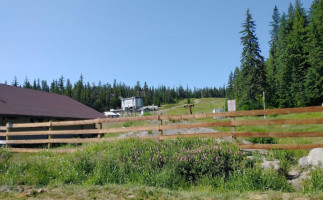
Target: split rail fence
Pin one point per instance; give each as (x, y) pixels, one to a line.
(13, 131)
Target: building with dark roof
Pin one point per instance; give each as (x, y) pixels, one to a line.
(21, 105)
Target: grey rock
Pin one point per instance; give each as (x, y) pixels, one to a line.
(4, 189)
(270, 165)
(315, 157)
(303, 162)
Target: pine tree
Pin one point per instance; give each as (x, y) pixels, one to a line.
(274, 31)
(68, 89)
(271, 63)
(252, 67)
(229, 93)
(44, 86)
(15, 82)
(314, 77)
(26, 83)
(297, 55)
(78, 89)
(283, 69)
(38, 85)
(35, 85)
(61, 87)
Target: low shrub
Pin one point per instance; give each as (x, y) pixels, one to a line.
(128, 124)
(262, 140)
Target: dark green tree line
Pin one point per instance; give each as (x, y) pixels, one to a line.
(104, 97)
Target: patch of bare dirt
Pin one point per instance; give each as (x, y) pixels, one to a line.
(197, 101)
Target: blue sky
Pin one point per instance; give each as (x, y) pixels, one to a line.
(165, 42)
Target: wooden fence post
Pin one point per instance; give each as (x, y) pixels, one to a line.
(50, 128)
(99, 127)
(233, 128)
(161, 123)
(9, 126)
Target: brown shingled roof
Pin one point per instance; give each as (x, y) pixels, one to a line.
(16, 101)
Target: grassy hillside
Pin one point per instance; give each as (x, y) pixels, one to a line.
(205, 105)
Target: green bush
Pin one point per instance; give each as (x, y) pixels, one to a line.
(262, 140)
(128, 124)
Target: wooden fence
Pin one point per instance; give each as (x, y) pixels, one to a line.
(52, 136)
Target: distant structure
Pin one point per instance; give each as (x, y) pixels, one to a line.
(131, 103)
(218, 110)
(147, 109)
(111, 114)
(130, 106)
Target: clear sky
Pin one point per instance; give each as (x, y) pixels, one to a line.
(164, 42)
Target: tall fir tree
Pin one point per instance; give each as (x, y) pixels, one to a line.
(252, 67)
(298, 54)
(15, 82)
(229, 92)
(314, 77)
(26, 83)
(271, 63)
(68, 88)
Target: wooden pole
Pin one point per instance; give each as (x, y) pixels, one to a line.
(263, 96)
(233, 128)
(50, 128)
(8, 125)
(99, 127)
(161, 123)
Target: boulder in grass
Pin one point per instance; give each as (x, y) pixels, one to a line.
(270, 165)
(303, 162)
(314, 158)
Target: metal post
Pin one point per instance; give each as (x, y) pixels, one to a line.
(50, 128)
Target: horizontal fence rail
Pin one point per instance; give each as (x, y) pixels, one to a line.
(48, 135)
(173, 117)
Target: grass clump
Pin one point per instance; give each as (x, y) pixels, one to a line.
(262, 140)
(128, 124)
(314, 184)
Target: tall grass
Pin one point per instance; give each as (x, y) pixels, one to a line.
(173, 164)
(315, 183)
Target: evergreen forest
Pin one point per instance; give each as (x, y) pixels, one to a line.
(103, 97)
(292, 76)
